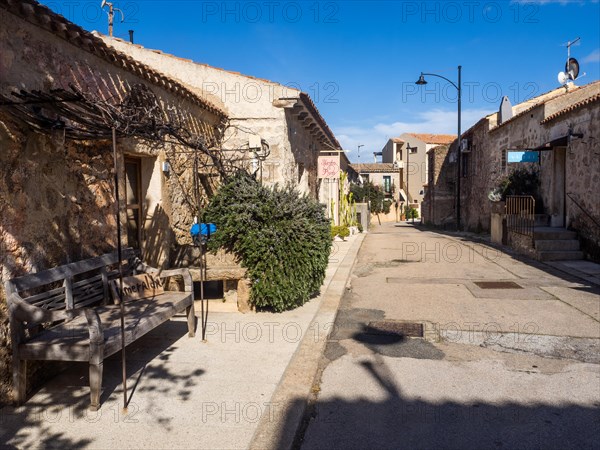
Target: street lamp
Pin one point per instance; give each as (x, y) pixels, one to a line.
(359, 146)
(421, 81)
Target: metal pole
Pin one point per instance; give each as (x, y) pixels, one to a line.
(111, 14)
(203, 311)
(459, 152)
(120, 256)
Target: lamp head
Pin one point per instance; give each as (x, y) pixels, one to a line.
(421, 81)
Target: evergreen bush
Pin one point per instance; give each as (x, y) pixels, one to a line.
(281, 237)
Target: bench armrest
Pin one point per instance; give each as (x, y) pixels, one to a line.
(22, 311)
(94, 326)
(184, 273)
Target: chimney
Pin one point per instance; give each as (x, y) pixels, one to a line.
(131, 36)
(505, 111)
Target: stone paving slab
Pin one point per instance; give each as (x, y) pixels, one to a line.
(184, 393)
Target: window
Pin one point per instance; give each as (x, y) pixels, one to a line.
(133, 191)
(503, 160)
(387, 184)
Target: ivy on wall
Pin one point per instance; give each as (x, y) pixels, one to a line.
(282, 238)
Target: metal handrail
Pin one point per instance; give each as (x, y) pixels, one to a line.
(583, 209)
(520, 214)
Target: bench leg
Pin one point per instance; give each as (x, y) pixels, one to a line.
(19, 380)
(191, 320)
(95, 385)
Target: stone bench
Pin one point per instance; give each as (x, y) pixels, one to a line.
(68, 314)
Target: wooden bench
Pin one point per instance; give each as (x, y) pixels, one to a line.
(68, 314)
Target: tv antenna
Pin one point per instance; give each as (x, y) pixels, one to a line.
(111, 14)
(571, 67)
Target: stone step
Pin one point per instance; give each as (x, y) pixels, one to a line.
(558, 255)
(557, 244)
(548, 233)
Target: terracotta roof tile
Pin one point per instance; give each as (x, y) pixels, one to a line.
(374, 167)
(305, 98)
(574, 106)
(540, 100)
(43, 17)
(170, 55)
(434, 138)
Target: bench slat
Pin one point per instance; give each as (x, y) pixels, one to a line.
(91, 280)
(91, 301)
(69, 341)
(44, 295)
(49, 300)
(60, 273)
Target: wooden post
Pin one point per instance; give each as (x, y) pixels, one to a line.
(120, 263)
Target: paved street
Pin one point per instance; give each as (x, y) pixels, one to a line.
(510, 365)
(495, 368)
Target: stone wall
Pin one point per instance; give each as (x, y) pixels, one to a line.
(56, 195)
(486, 168)
(582, 175)
(438, 205)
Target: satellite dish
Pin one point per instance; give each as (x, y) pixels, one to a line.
(563, 78)
(572, 68)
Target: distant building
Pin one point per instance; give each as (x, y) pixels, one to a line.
(408, 152)
(385, 175)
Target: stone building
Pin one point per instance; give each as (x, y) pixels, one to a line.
(385, 175)
(409, 152)
(438, 204)
(561, 127)
(62, 90)
(284, 118)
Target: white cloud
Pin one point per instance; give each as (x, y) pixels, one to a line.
(436, 121)
(593, 57)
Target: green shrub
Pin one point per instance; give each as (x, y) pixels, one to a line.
(523, 181)
(281, 237)
(340, 230)
(387, 203)
(411, 213)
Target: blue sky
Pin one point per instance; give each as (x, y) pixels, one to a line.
(358, 60)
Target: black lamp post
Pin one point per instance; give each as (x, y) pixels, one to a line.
(422, 81)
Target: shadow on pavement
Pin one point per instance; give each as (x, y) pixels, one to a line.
(399, 422)
(62, 402)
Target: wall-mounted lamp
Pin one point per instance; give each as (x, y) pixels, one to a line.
(166, 168)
